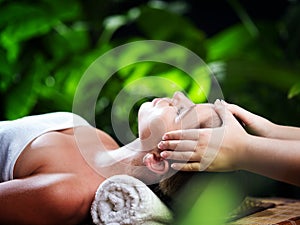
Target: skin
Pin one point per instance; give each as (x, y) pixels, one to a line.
(42, 191)
(268, 149)
(55, 182)
(172, 114)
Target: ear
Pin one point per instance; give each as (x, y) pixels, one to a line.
(156, 164)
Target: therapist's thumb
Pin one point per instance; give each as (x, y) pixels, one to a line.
(222, 111)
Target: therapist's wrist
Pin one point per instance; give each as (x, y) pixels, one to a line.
(207, 116)
(246, 152)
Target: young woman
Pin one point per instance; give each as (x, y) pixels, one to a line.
(51, 165)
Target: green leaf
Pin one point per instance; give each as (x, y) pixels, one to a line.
(214, 204)
(136, 71)
(15, 33)
(228, 43)
(200, 88)
(290, 31)
(295, 90)
(21, 99)
(67, 10)
(66, 41)
(244, 17)
(279, 76)
(17, 11)
(161, 27)
(28, 28)
(179, 78)
(6, 72)
(31, 21)
(168, 26)
(23, 94)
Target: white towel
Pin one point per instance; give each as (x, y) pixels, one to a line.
(125, 200)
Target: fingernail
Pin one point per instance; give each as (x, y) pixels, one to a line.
(164, 154)
(174, 166)
(164, 137)
(223, 102)
(160, 145)
(217, 101)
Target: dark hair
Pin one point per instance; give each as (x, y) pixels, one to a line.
(173, 184)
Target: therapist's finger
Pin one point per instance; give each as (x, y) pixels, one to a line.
(179, 145)
(179, 156)
(189, 134)
(188, 167)
(223, 112)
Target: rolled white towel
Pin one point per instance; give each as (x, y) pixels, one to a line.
(125, 200)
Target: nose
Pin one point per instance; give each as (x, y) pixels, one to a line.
(179, 99)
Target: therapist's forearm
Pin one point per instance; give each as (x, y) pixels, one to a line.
(274, 158)
(285, 132)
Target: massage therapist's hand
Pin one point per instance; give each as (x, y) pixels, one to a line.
(255, 124)
(262, 127)
(210, 149)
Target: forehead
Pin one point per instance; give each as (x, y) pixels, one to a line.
(148, 111)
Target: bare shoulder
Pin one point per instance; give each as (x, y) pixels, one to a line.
(58, 151)
(89, 135)
(50, 153)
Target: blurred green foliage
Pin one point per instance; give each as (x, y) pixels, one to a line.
(210, 203)
(259, 64)
(47, 45)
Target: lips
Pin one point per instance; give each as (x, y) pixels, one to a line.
(156, 101)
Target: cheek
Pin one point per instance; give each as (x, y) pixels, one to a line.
(152, 128)
(154, 122)
(144, 131)
(157, 126)
(143, 120)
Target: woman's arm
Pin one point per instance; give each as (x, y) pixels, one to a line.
(41, 199)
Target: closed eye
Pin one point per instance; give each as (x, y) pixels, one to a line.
(179, 111)
(185, 112)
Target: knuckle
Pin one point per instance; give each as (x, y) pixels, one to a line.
(190, 166)
(166, 144)
(180, 145)
(170, 145)
(177, 156)
(178, 134)
(176, 145)
(184, 135)
(182, 156)
(204, 136)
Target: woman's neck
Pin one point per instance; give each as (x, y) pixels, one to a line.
(124, 160)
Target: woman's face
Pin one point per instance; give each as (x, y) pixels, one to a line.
(162, 115)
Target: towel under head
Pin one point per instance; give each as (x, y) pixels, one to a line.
(124, 200)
